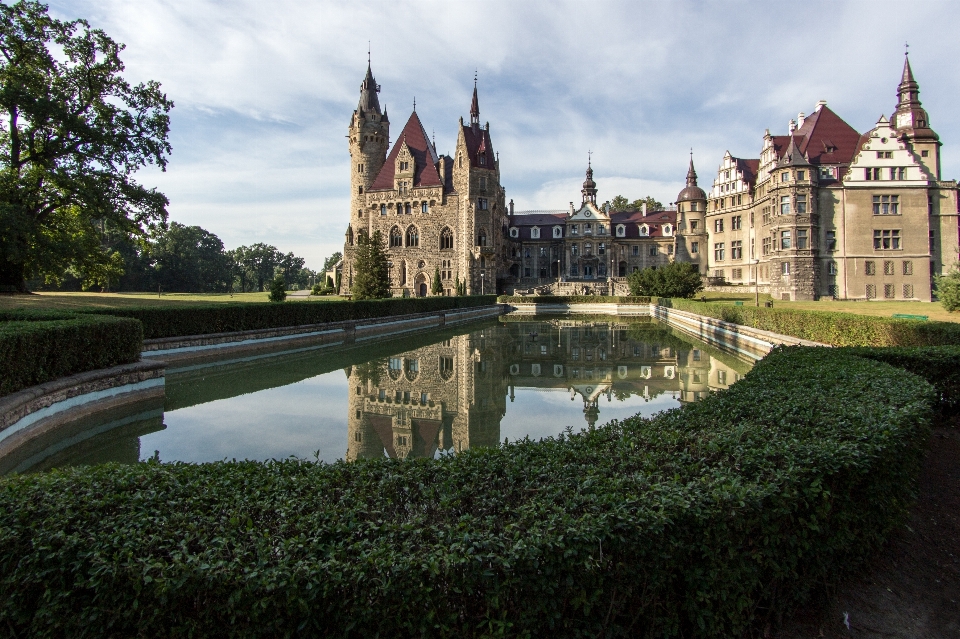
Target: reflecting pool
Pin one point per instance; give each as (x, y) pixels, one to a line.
(420, 395)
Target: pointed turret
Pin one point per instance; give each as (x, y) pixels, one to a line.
(475, 106)
(792, 156)
(909, 113)
(589, 186)
(369, 102)
(691, 173)
(691, 191)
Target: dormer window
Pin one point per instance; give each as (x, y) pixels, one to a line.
(668, 229)
(404, 166)
(644, 230)
(535, 233)
(483, 159)
(514, 232)
(558, 231)
(621, 230)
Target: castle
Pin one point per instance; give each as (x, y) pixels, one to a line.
(823, 212)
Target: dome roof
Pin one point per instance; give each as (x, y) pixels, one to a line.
(691, 191)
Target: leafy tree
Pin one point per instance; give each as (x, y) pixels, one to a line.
(289, 267)
(73, 132)
(677, 279)
(371, 278)
(256, 264)
(331, 261)
(619, 203)
(192, 260)
(652, 204)
(278, 290)
(948, 289)
(437, 287)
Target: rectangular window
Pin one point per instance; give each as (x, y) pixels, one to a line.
(801, 175)
(382, 395)
(869, 267)
(785, 242)
(831, 268)
(886, 204)
(482, 204)
(601, 229)
(669, 249)
(831, 240)
(767, 246)
(908, 268)
(483, 183)
(383, 209)
(636, 250)
(601, 249)
(908, 291)
(574, 250)
(694, 247)
(718, 273)
(736, 250)
(718, 252)
(574, 229)
(785, 205)
(902, 173)
(694, 224)
(423, 207)
(871, 291)
(886, 240)
(801, 238)
(784, 268)
(888, 291)
(888, 268)
(801, 205)
(784, 177)
(587, 229)
(526, 271)
(543, 251)
(654, 251)
(736, 222)
(826, 172)
(737, 274)
(718, 225)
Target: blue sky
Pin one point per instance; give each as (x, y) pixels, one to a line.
(264, 91)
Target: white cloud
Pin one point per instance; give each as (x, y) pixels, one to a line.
(264, 91)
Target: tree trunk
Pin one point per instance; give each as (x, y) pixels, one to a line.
(12, 277)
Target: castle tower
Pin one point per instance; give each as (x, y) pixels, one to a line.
(912, 123)
(369, 135)
(691, 212)
(589, 190)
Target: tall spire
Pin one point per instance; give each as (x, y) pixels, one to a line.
(475, 105)
(368, 92)
(691, 172)
(909, 113)
(589, 186)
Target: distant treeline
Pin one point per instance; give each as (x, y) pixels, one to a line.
(187, 259)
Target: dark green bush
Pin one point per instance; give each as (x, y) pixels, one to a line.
(837, 329)
(215, 317)
(572, 299)
(940, 365)
(702, 521)
(674, 279)
(38, 347)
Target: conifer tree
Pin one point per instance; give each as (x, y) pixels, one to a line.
(437, 288)
(371, 274)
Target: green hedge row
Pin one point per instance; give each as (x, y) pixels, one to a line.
(940, 365)
(703, 521)
(573, 299)
(837, 329)
(217, 317)
(38, 347)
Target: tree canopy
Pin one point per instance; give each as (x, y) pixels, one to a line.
(371, 275)
(620, 203)
(73, 132)
(676, 279)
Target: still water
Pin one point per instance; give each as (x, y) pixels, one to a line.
(415, 396)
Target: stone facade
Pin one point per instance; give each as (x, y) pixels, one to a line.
(828, 212)
(435, 212)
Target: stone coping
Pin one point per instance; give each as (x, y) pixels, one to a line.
(216, 344)
(75, 390)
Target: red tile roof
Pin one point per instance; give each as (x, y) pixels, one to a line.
(826, 139)
(478, 140)
(424, 157)
(631, 219)
(749, 168)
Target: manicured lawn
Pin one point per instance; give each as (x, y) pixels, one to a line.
(119, 300)
(933, 310)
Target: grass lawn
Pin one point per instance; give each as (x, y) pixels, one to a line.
(879, 308)
(119, 300)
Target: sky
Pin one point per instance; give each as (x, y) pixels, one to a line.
(264, 91)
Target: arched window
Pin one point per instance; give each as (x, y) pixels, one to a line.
(383, 209)
(403, 273)
(423, 207)
(558, 231)
(644, 230)
(413, 236)
(446, 239)
(396, 238)
(482, 238)
(399, 209)
(621, 230)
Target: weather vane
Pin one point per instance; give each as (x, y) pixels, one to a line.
(906, 48)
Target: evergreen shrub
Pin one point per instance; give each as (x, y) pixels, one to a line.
(836, 329)
(703, 521)
(36, 347)
(215, 317)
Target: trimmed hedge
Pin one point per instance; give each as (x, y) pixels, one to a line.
(225, 317)
(38, 347)
(702, 521)
(837, 329)
(940, 365)
(573, 299)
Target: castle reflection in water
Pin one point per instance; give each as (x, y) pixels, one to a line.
(452, 395)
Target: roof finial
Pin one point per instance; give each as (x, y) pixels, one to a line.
(414, 104)
(475, 105)
(368, 53)
(589, 158)
(906, 48)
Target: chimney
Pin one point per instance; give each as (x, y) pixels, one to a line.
(571, 208)
(442, 169)
(643, 209)
(820, 103)
(800, 118)
(511, 208)
(792, 126)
